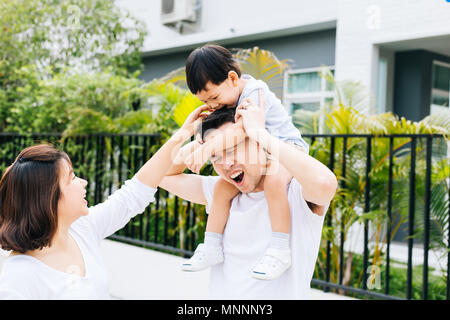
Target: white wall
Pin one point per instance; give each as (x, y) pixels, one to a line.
(249, 19)
(364, 24)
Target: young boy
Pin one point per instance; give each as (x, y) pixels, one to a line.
(215, 78)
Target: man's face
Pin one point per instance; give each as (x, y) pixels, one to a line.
(216, 97)
(242, 165)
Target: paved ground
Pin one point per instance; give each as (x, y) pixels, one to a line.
(137, 273)
(155, 275)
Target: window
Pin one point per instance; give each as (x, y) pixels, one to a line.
(306, 89)
(382, 84)
(440, 97)
(440, 88)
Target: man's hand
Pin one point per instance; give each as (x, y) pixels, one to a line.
(185, 152)
(232, 136)
(197, 157)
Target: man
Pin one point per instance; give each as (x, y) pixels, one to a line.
(248, 230)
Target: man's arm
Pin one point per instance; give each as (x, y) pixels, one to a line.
(186, 186)
(318, 183)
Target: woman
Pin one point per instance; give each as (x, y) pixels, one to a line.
(54, 237)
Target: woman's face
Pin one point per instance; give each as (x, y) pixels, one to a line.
(72, 203)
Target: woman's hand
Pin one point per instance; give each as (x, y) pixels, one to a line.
(192, 122)
(195, 118)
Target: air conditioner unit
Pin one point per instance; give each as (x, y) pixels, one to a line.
(175, 11)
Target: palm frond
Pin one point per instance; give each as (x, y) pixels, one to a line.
(176, 77)
(263, 65)
(307, 121)
(182, 110)
(440, 122)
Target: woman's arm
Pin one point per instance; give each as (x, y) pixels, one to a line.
(157, 167)
(136, 194)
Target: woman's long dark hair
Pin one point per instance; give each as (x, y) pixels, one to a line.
(29, 195)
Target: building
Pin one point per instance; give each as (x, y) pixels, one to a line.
(398, 49)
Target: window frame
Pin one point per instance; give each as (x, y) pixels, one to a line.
(435, 108)
(305, 97)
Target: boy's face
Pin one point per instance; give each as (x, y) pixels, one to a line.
(226, 94)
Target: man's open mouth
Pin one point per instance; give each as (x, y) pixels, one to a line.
(237, 176)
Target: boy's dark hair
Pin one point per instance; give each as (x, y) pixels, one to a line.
(29, 196)
(215, 120)
(209, 63)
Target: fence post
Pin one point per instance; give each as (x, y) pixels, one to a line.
(412, 191)
(367, 209)
(389, 212)
(426, 237)
(341, 261)
(329, 219)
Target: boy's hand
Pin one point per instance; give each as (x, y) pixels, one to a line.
(252, 116)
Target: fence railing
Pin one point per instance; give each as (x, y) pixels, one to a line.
(393, 189)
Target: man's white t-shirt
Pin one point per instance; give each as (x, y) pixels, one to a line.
(246, 238)
(25, 277)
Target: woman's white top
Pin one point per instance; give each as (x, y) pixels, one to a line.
(25, 277)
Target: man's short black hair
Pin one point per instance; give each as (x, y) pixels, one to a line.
(209, 63)
(215, 120)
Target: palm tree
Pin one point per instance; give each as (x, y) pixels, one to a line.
(259, 63)
(263, 65)
(350, 113)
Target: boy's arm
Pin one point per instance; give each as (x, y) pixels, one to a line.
(254, 98)
(318, 182)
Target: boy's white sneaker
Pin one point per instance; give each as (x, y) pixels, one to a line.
(203, 258)
(273, 264)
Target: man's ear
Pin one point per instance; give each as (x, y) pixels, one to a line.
(233, 76)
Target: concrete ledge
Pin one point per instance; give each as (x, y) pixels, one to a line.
(142, 274)
(138, 273)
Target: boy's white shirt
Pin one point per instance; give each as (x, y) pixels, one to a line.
(278, 122)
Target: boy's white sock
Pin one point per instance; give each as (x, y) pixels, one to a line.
(279, 240)
(213, 239)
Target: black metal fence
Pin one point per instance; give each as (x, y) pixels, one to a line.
(388, 184)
